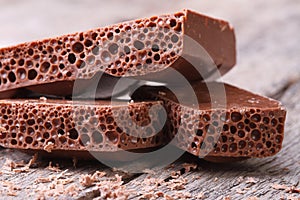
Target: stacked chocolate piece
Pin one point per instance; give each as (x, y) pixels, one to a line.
(62, 95)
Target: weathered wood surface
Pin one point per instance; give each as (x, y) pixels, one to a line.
(268, 63)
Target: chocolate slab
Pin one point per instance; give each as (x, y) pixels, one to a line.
(196, 45)
(101, 126)
(240, 124)
(244, 125)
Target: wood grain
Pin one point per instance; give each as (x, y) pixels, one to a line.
(268, 63)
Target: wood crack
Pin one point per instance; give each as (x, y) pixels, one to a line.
(285, 87)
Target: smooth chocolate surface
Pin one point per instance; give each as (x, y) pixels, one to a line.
(103, 86)
(195, 45)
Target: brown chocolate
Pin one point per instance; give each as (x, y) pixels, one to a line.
(236, 123)
(59, 125)
(135, 48)
(244, 125)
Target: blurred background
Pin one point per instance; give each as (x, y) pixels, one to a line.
(268, 42)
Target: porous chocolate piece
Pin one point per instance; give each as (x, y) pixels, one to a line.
(59, 125)
(237, 124)
(135, 48)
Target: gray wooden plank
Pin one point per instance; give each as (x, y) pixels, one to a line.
(268, 57)
(40, 181)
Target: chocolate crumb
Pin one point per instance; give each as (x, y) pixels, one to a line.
(177, 184)
(89, 180)
(44, 179)
(32, 161)
(21, 166)
(293, 189)
(167, 197)
(251, 180)
(240, 191)
(288, 189)
(252, 198)
(49, 146)
(11, 188)
(159, 194)
(183, 195)
(53, 168)
(75, 161)
(113, 189)
(279, 187)
(186, 167)
(201, 195)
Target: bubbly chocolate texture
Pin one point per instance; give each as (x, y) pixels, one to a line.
(146, 48)
(244, 125)
(99, 126)
(198, 47)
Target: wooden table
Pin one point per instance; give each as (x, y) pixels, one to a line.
(268, 63)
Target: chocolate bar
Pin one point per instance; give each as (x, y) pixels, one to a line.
(209, 120)
(101, 126)
(228, 121)
(146, 47)
(241, 125)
